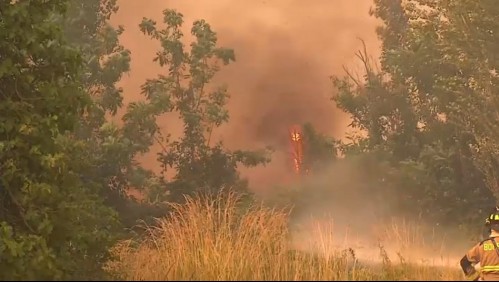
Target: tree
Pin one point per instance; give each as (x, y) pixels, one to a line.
(52, 224)
(471, 38)
(320, 151)
(185, 89)
(110, 150)
(410, 107)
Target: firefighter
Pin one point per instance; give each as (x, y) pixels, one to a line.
(486, 253)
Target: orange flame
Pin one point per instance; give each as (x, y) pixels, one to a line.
(296, 141)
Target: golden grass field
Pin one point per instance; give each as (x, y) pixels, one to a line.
(209, 238)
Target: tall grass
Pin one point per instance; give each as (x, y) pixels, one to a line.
(211, 238)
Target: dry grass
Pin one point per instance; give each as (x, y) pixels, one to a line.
(210, 238)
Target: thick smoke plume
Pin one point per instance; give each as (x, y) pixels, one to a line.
(285, 52)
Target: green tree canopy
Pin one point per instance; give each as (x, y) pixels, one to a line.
(52, 226)
(422, 109)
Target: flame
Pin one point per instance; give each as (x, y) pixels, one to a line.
(296, 142)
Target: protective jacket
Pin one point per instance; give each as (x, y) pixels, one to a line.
(486, 253)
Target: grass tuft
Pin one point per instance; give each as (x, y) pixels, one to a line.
(212, 238)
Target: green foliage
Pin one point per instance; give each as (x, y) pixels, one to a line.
(109, 150)
(51, 224)
(319, 150)
(87, 28)
(185, 90)
(425, 108)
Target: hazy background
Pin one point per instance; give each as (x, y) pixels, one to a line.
(285, 52)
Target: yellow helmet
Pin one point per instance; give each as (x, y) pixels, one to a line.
(493, 217)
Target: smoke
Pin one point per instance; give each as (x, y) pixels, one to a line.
(341, 208)
(285, 52)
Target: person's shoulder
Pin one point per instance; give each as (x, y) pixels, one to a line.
(488, 239)
(483, 241)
